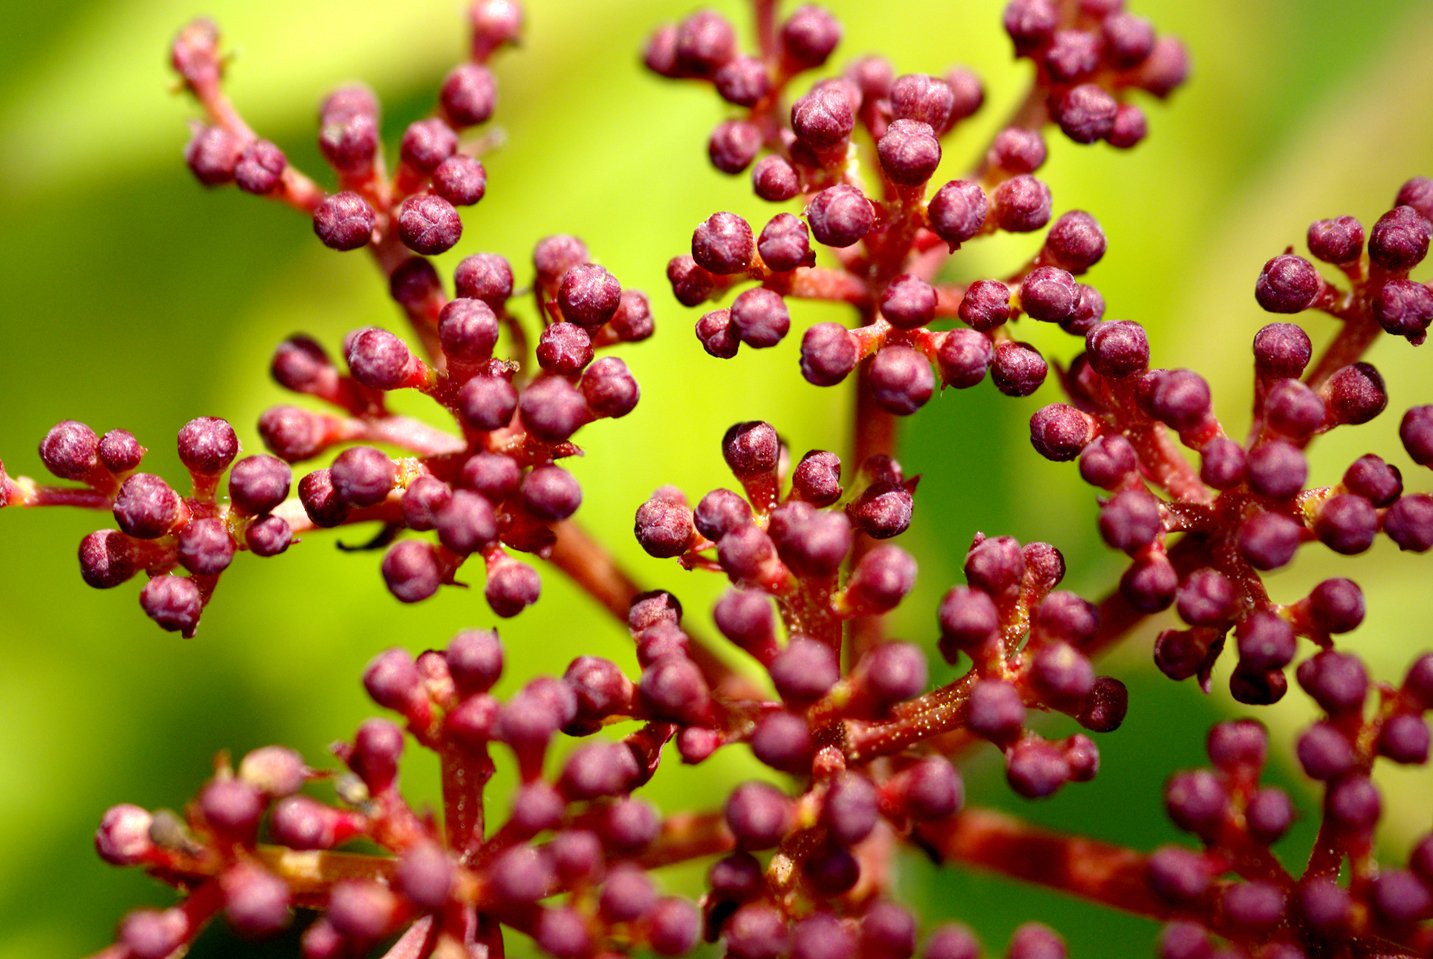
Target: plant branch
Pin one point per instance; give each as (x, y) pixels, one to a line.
(465, 775)
(1086, 868)
(595, 571)
(874, 434)
(1348, 346)
(686, 836)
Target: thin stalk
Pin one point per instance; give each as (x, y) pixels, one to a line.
(1348, 346)
(938, 711)
(686, 836)
(465, 775)
(595, 571)
(1031, 113)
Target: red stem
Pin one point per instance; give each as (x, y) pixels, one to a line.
(764, 13)
(874, 434)
(939, 711)
(823, 283)
(32, 495)
(1348, 346)
(1088, 868)
(595, 571)
(687, 836)
(410, 434)
(389, 254)
(465, 774)
(1030, 113)
(417, 942)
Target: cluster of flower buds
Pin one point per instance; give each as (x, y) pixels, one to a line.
(1087, 55)
(1264, 908)
(858, 747)
(1380, 295)
(568, 867)
(891, 244)
(497, 487)
(161, 531)
(907, 357)
(704, 47)
(1024, 640)
(791, 545)
(489, 486)
(416, 208)
(865, 743)
(1247, 509)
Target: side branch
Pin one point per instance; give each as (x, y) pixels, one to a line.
(594, 570)
(1086, 868)
(1118, 617)
(687, 836)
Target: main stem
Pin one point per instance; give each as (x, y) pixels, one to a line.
(873, 434)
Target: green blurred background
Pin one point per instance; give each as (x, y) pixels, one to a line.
(135, 298)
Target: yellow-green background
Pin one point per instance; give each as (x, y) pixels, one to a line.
(132, 297)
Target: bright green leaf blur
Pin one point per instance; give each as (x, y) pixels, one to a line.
(135, 298)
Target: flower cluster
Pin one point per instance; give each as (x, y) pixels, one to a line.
(855, 749)
(893, 237)
(1247, 509)
(490, 485)
(447, 885)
